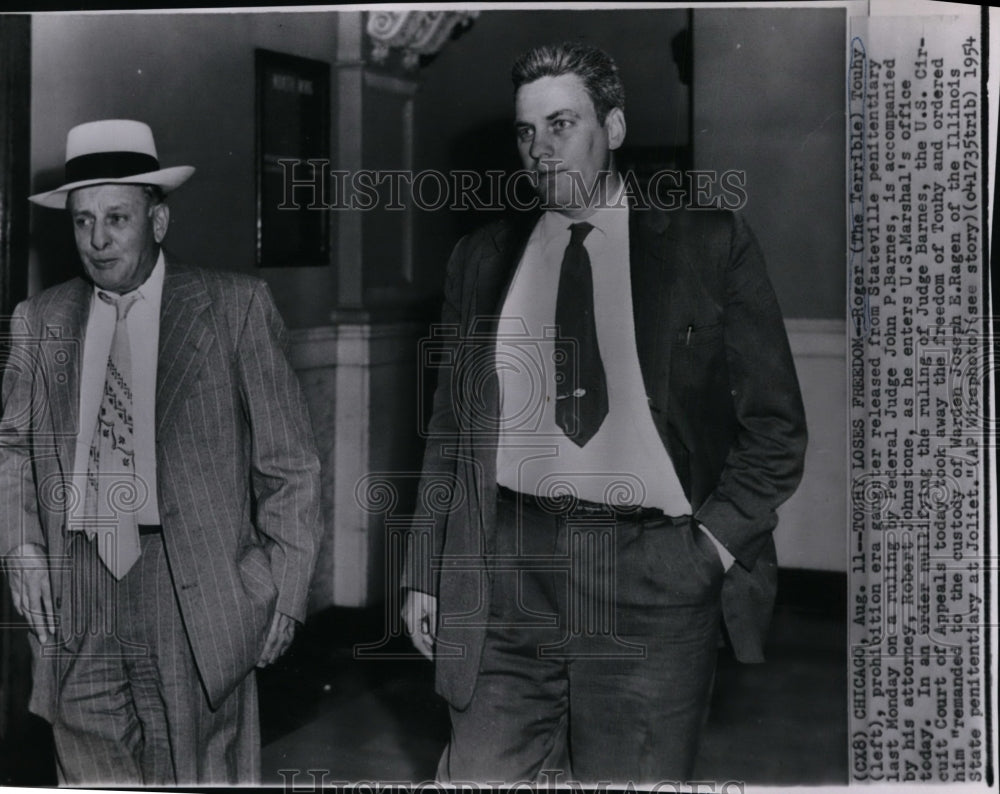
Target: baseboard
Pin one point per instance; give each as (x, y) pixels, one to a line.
(801, 589)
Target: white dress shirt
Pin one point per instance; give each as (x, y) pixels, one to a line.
(625, 462)
(143, 322)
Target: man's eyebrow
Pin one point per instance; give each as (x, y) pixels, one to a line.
(551, 117)
(112, 208)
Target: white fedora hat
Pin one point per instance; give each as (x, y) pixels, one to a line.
(115, 151)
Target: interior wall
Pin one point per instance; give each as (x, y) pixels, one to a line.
(769, 101)
(15, 112)
(15, 127)
(812, 524)
(191, 77)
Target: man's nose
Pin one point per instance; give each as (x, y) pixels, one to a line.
(98, 236)
(541, 147)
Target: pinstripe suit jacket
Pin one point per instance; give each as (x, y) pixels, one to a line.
(237, 471)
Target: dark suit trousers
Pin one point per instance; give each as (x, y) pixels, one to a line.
(599, 655)
(131, 709)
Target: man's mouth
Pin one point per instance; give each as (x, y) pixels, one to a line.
(549, 167)
(102, 263)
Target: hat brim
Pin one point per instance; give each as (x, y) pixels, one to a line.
(166, 179)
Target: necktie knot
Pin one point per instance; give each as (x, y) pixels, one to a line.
(578, 232)
(122, 303)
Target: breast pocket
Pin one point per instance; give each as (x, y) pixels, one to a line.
(698, 365)
(698, 335)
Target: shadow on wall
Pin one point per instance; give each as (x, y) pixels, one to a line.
(52, 236)
(486, 147)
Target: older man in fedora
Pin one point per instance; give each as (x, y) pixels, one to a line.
(159, 511)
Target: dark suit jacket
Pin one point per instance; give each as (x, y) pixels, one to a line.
(724, 397)
(237, 472)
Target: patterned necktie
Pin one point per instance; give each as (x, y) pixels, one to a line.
(581, 387)
(113, 495)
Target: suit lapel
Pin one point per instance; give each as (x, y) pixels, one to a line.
(67, 320)
(496, 273)
(653, 270)
(492, 285)
(493, 277)
(183, 333)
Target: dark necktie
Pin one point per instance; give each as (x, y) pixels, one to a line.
(581, 387)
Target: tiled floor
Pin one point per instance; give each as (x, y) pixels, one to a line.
(347, 718)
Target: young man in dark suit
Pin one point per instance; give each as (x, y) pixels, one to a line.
(618, 424)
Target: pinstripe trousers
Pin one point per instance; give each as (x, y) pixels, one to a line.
(131, 708)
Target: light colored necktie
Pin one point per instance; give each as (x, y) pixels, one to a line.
(113, 493)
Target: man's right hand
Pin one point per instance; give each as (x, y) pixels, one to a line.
(28, 577)
(420, 617)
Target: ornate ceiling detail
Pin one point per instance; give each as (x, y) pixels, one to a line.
(417, 35)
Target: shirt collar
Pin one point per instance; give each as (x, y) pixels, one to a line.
(151, 289)
(608, 220)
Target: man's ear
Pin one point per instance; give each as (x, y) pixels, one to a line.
(161, 219)
(614, 125)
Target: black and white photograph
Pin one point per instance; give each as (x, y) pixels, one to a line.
(472, 396)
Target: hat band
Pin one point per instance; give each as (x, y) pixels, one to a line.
(109, 165)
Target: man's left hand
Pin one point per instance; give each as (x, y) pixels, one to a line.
(279, 637)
